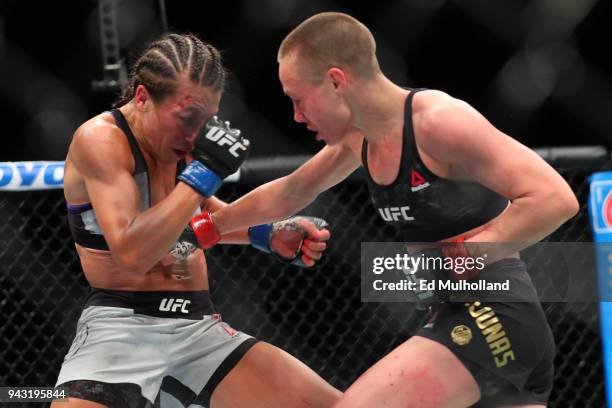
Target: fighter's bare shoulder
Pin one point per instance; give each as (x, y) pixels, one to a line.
(445, 125)
(430, 106)
(99, 144)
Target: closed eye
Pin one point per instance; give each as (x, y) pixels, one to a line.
(189, 122)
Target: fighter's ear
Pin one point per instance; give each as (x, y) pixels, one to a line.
(338, 78)
(141, 95)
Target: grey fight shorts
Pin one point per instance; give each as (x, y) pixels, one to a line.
(148, 349)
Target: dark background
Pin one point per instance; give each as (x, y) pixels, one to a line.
(537, 69)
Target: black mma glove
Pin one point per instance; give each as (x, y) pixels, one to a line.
(218, 152)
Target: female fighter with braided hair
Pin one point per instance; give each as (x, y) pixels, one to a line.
(136, 179)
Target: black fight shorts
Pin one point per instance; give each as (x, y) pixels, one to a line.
(508, 347)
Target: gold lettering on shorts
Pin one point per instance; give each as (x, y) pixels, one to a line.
(493, 332)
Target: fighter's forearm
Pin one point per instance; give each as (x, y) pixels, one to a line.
(151, 233)
(526, 221)
(270, 202)
(240, 237)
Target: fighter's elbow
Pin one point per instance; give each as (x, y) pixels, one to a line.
(570, 206)
(564, 204)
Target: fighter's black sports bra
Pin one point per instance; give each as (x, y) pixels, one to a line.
(426, 207)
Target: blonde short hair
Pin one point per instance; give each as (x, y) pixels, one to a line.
(328, 40)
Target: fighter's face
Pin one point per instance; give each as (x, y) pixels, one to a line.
(318, 105)
(179, 117)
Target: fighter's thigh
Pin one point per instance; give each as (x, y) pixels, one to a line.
(75, 403)
(269, 377)
(420, 372)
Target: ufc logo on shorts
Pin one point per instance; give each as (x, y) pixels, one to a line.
(394, 213)
(172, 305)
(222, 138)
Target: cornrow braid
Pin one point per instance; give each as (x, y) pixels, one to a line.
(165, 60)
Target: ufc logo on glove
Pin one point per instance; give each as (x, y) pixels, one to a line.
(221, 137)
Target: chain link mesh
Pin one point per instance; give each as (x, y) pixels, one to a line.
(316, 315)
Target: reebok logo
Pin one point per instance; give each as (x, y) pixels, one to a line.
(174, 304)
(417, 181)
(394, 213)
(222, 138)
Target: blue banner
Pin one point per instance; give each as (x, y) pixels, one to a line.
(31, 175)
(600, 214)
